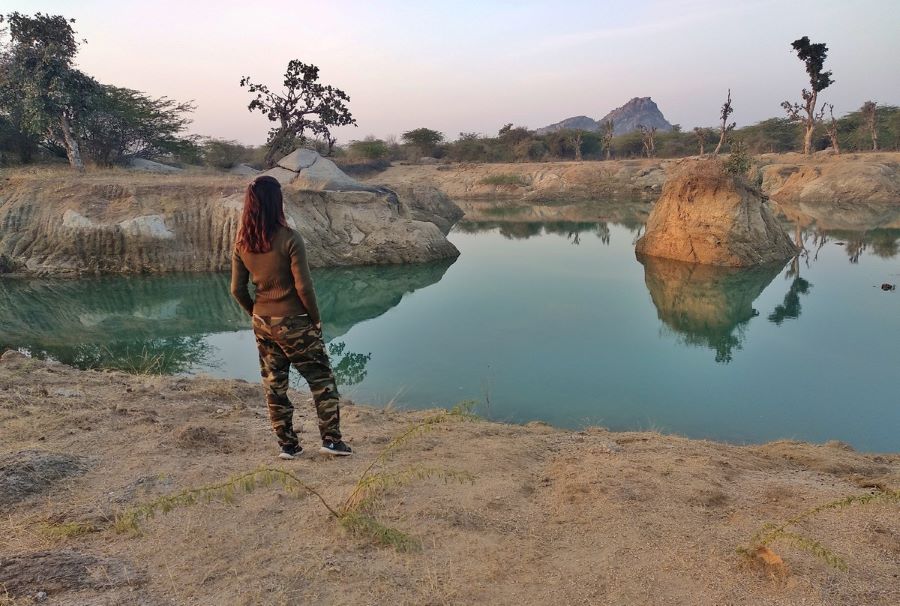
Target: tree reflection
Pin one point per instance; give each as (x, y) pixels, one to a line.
(349, 367)
(790, 308)
(705, 305)
(882, 242)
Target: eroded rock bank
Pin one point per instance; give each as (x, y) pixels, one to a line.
(56, 223)
(789, 179)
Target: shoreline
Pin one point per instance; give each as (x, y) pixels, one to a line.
(592, 515)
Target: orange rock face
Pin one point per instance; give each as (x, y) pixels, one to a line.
(708, 216)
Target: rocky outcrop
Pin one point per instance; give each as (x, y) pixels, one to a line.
(535, 181)
(852, 179)
(306, 169)
(573, 123)
(152, 167)
(859, 183)
(707, 216)
(104, 223)
(30, 472)
(639, 111)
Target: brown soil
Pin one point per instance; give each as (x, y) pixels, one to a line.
(590, 517)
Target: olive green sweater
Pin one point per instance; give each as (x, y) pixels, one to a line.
(281, 276)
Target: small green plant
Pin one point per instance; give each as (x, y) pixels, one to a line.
(355, 513)
(739, 161)
(502, 179)
(770, 533)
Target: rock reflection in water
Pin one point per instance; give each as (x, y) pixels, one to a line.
(706, 305)
(159, 324)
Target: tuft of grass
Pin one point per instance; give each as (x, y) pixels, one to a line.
(66, 530)
(502, 179)
(355, 513)
(368, 527)
(771, 533)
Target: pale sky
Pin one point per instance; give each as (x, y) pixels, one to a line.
(464, 65)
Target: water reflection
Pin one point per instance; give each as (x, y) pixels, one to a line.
(522, 222)
(137, 324)
(707, 306)
(523, 230)
(159, 324)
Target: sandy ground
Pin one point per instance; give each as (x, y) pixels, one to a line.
(552, 517)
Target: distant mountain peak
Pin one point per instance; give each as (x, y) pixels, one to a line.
(639, 110)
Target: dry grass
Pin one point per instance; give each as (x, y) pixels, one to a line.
(582, 517)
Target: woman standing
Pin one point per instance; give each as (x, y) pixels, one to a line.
(286, 319)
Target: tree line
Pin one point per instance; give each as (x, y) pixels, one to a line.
(50, 108)
(519, 144)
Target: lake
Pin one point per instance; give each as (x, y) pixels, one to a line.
(553, 321)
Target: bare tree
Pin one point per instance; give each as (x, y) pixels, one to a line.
(576, 143)
(608, 130)
(868, 113)
(813, 56)
(647, 139)
(726, 128)
(831, 128)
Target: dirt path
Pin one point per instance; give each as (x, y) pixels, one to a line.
(590, 517)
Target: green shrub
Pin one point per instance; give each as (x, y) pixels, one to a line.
(739, 161)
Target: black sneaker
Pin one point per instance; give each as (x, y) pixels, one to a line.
(289, 453)
(338, 448)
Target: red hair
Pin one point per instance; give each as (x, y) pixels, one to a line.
(263, 215)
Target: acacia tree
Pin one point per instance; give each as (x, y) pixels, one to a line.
(726, 128)
(424, 139)
(304, 106)
(608, 132)
(813, 56)
(868, 110)
(121, 124)
(38, 78)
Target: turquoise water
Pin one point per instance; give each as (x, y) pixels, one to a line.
(557, 322)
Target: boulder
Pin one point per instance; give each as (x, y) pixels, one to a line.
(299, 159)
(324, 175)
(283, 175)
(306, 169)
(152, 167)
(244, 170)
(708, 216)
(425, 203)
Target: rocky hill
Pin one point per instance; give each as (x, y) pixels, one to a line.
(574, 123)
(640, 110)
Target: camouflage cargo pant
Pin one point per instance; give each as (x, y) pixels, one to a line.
(295, 340)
